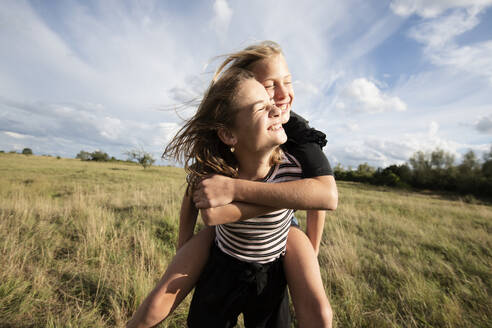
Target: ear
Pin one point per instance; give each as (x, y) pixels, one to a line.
(226, 136)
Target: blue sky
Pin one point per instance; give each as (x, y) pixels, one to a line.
(382, 79)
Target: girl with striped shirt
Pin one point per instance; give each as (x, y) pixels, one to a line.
(237, 131)
(266, 61)
(261, 239)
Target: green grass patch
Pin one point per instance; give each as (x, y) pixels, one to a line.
(82, 243)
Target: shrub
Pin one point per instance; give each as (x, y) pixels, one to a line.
(83, 155)
(140, 156)
(27, 151)
(99, 156)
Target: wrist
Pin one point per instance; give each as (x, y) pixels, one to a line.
(236, 190)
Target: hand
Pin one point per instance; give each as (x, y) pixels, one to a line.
(216, 190)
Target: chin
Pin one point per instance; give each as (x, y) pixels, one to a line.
(286, 116)
(283, 139)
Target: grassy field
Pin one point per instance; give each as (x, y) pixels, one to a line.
(81, 244)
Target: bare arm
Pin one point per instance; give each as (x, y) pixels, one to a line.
(315, 221)
(187, 220)
(233, 212)
(319, 193)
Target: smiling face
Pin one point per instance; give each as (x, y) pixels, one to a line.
(273, 73)
(258, 124)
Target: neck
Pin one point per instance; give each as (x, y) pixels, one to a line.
(253, 166)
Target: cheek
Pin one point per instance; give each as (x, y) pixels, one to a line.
(291, 93)
(285, 116)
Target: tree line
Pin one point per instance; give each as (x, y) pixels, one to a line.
(136, 155)
(139, 156)
(434, 170)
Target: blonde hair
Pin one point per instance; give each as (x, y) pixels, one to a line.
(197, 144)
(246, 58)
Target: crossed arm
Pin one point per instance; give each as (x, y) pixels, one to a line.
(222, 200)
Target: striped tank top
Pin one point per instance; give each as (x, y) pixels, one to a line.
(261, 239)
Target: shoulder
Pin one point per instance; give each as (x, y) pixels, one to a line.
(299, 132)
(288, 160)
(288, 169)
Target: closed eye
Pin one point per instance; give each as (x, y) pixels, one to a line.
(259, 109)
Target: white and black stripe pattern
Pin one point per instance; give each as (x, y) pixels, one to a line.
(261, 239)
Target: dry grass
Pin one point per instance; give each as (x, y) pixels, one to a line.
(81, 244)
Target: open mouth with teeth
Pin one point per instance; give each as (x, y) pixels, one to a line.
(283, 107)
(275, 127)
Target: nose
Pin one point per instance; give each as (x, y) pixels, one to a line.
(275, 111)
(281, 92)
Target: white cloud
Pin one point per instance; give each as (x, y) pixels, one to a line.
(364, 96)
(382, 151)
(433, 129)
(484, 124)
(221, 20)
(432, 8)
(88, 75)
(16, 135)
(80, 127)
(305, 87)
(351, 126)
(165, 131)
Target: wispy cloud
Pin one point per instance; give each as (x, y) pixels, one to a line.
(81, 123)
(16, 135)
(439, 37)
(441, 31)
(222, 18)
(98, 74)
(432, 8)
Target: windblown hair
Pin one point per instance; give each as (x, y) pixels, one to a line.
(197, 144)
(247, 57)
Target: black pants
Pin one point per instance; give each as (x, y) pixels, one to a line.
(228, 287)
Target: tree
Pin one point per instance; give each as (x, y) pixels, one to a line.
(339, 172)
(83, 155)
(364, 172)
(99, 156)
(420, 161)
(403, 171)
(441, 159)
(422, 169)
(141, 157)
(470, 174)
(487, 164)
(27, 151)
(470, 163)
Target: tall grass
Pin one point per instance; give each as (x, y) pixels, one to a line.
(81, 245)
